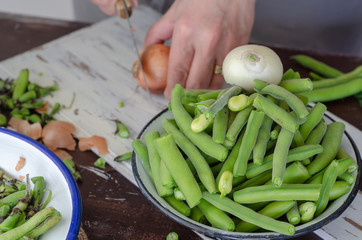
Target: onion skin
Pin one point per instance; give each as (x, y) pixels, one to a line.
(246, 63)
(155, 65)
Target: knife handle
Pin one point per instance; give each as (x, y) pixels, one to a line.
(122, 9)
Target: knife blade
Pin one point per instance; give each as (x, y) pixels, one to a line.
(124, 10)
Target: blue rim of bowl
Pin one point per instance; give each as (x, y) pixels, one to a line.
(74, 192)
(219, 234)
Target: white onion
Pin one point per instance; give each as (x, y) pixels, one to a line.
(246, 63)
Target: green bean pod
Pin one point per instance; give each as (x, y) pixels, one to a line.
(342, 79)
(293, 215)
(179, 206)
(289, 74)
(247, 144)
(307, 211)
(295, 154)
(248, 215)
(4, 210)
(226, 183)
(238, 123)
(297, 85)
(331, 143)
(329, 178)
(295, 173)
(317, 134)
(201, 107)
(21, 84)
(274, 210)
(46, 225)
(339, 189)
(123, 157)
(215, 216)
(255, 181)
(178, 194)
(220, 125)
(275, 132)
(276, 113)
(335, 92)
(33, 223)
(262, 140)
(316, 66)
(293, 101)
(222, 101)
(307, 192)
(155, 163)
(202, 168)
(166, 177)
(230, 161)
(10, 222)
(122, 130)
(239, 102)
(197, 215)
(141, 151)
(38, 190)
(208, 95)
(280, 156)
(202, 140)
(347, 177)
(180, 171)
(313, 120)
(27, 96)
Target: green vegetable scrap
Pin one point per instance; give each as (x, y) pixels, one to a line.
(101, 163)
(23, 212)
(22, 99)
(172, 236)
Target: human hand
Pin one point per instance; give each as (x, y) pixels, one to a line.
(109, 6)
(202, 32)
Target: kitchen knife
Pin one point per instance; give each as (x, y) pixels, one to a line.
(124, 10)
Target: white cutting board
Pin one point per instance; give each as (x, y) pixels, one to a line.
(94, 65)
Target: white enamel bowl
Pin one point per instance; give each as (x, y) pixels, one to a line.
(40, 161)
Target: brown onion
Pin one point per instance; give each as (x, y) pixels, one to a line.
(155, 65)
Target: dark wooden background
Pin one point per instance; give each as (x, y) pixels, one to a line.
(114, 208)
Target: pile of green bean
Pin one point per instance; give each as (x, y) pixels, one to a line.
(261, 161)
(21, 98)
(23, 214)
(328, 83)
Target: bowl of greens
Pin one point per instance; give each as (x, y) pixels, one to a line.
(255, 173)
(38, 187)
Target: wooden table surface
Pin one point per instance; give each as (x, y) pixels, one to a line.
(125, 213)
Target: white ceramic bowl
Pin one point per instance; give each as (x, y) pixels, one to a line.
(40, 161)
(334, 210)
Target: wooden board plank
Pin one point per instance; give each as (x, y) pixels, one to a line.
(82, 64)
(94, 65)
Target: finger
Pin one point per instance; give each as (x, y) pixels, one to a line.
(201, 71)
(179, 63)
(217, 82)
(160, 31)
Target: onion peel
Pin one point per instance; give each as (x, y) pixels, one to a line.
(58, 134)
(20, 164)
(22, 126)
(94, 141)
